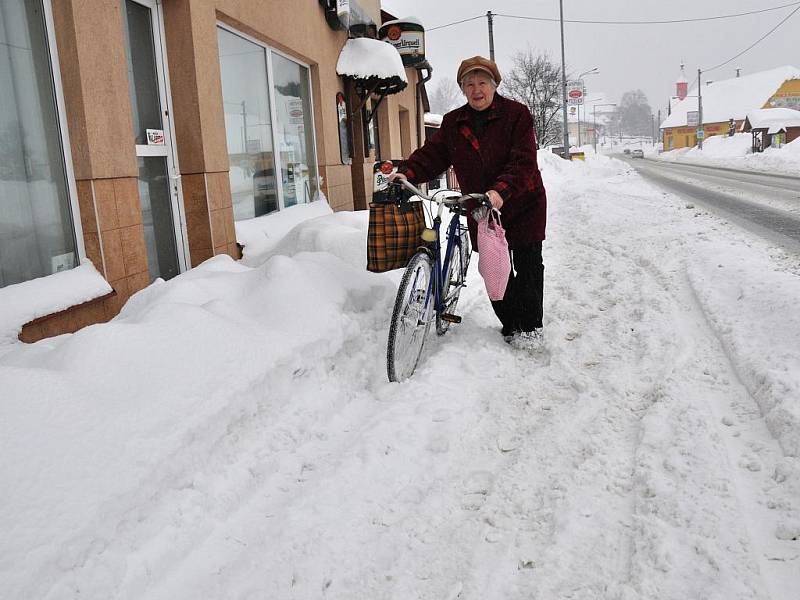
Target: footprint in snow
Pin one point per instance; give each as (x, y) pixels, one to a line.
(507, 442)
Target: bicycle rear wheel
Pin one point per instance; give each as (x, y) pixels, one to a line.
(411, 318)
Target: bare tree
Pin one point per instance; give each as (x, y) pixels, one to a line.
(536, 82)
(634, 116)
(446, 96)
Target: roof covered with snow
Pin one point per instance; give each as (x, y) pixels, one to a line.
(773, 118)
(363, 58)
(731, 98)
(414, 20)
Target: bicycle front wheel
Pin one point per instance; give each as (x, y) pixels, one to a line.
(411, 318)
(454, 280)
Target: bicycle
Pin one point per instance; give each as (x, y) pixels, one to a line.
(430, 285)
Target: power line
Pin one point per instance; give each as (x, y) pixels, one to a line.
(588, 22)
(759, 40)
(456, 23)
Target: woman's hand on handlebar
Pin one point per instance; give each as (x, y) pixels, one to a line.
(397, 178)
(495, 198)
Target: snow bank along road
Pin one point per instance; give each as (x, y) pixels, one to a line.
(769, 204)
(650, 453)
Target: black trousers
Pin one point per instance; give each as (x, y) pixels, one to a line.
(521, 307)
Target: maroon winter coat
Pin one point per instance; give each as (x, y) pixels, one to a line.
(502, 158)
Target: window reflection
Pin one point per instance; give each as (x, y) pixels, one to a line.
(294, 131)
(248, 126)
(36, 230)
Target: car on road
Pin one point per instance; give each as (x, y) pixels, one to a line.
(627, 151)
(637, 153)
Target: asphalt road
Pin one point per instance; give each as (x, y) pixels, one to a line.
(766, 204)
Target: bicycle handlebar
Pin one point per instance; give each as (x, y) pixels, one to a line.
(482, 199)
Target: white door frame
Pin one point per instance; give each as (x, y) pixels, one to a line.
(169, 149)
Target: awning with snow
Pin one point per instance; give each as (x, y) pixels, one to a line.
(771, 120)
(375, 67)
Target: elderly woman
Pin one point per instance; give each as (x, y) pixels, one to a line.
(491, 144)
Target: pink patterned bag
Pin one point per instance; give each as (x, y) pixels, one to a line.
(494, 261)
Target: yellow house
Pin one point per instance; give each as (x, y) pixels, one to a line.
(728, 101)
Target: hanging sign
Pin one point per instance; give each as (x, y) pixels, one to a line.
(575, 92)
(408, 37)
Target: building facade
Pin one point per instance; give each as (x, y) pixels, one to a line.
(135, 133)
(726, 104)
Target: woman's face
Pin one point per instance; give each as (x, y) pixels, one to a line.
(479, 90)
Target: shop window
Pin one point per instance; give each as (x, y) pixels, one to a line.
(37, 234)
(269, 127)
(294, 130)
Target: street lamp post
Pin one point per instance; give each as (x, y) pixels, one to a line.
(593, 71)
(594, 122)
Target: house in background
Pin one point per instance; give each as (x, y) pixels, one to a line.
(772, 127)
(726, 104)
(136, 133)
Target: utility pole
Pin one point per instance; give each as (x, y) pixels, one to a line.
(489, 17)
(564, 84)
(658, 125)
(700, 128)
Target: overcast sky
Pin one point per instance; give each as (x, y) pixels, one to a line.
(647, 57)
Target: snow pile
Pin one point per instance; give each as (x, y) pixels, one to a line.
(29, 300)
(717, 147)
(735, 152)
(260, 234)
(362, 58)
(102, 431)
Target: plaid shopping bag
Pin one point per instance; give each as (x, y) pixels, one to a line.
(394, 234)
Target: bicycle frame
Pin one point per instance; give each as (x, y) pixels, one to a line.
(440, 267)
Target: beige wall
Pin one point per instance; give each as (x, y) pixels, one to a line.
(91, 45)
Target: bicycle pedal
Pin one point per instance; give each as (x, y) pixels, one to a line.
(450, 318)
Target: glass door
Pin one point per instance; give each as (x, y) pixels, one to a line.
(159, 182)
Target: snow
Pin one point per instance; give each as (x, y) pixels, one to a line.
(29, 300)
(362, 58)
(231, 434)
(735, 152)
(433, 119)
(414, 20)
(769, 118)
(731, 98)
(259, 234)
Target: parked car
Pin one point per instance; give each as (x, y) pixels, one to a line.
(627, 151)
(637, 153)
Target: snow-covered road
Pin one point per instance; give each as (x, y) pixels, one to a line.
(249, 445)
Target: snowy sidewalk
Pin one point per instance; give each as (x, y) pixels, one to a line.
(232, 433)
